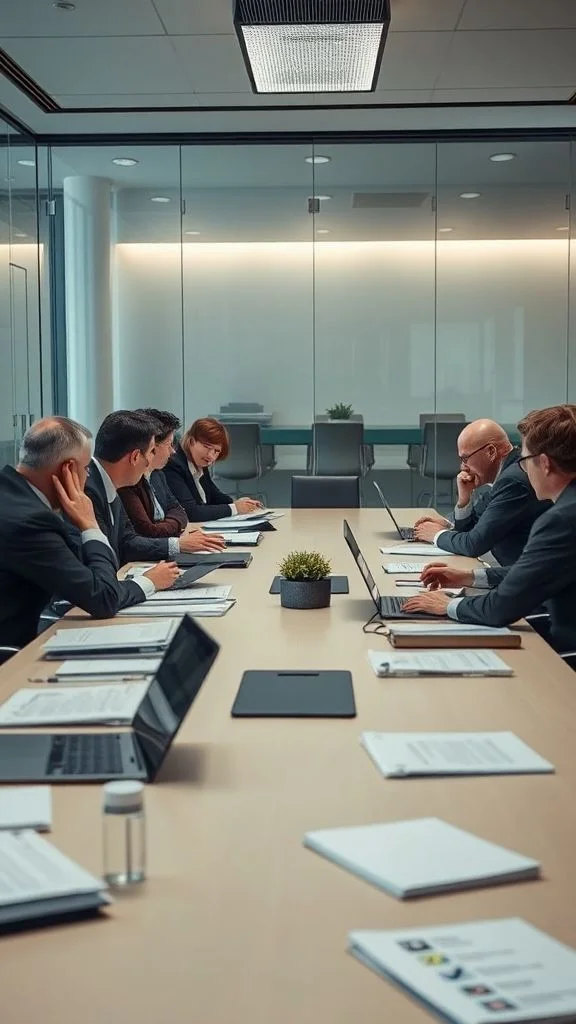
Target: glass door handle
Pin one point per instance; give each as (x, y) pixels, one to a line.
(23, 423)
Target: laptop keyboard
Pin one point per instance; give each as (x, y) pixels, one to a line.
(85, 755)
(392, 605)
(407, 532)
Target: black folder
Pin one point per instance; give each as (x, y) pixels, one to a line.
(295, 694)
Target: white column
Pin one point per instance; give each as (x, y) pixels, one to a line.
(88, 299)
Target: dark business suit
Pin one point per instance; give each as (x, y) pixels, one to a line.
(114, 523)
(544, 574)
(138, 502)
(39, 557)
(183, 486)
(500, 521)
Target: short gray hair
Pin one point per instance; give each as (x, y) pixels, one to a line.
(51, 441)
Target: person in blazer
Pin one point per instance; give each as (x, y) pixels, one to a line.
(545, 573)
(150, 505)
(39, 555)
(188, 474)
(502, 518)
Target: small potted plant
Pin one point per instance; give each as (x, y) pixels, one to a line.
(340, 411)
(305, 580)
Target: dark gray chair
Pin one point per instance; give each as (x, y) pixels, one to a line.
(338, 449)
(440, 459)
(325, 492)
(7, 652)
(248, 458)
(415, 451)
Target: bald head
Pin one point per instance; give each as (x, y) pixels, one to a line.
(50, 442)
(481, 432)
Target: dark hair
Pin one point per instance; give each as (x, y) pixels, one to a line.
(50, 441)
(122, 432)
(552, 432)
(210, 431)
(165, 423)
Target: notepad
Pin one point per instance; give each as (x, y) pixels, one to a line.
(477, 972)
(248, 538)
(450, 634)
(26, 807)
(408, 567)
(197, 609)
(420, 857)
(94, 640)
(210, 592)
(398, 754)
(438, 663)
(39, 883)
(416, 549)
(114, 704)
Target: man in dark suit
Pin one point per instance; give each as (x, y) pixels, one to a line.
(502, 518)
(545, 573)
(39, 556)
(123, 451)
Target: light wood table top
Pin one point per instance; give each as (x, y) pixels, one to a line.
(238, 923)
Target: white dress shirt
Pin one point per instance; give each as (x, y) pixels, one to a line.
(144, 582)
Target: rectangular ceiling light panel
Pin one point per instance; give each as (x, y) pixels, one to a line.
(312, 46)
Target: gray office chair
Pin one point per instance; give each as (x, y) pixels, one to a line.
(248, 458)
(325, 492)
(338, 449)
(7, 652)
(440, 453)
(414, 460)
(368, 458)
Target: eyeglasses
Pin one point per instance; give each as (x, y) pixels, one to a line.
(523, 460)
(210, 449)
(464, 458)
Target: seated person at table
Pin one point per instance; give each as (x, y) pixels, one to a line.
(189, 478)
(123, 452)
(503, 516)
(545, 573)
(40, 553)
(150, 504)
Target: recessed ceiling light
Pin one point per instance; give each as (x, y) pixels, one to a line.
(191, 232)
(323, 231)
(318, 159)
(27, 163)
(444, 230)
(502, 158)
(159, 199)
(124, 161)
(64, 5)
(470, 195)
(562, 228)
(20, 234)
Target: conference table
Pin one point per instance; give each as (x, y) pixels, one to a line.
(237, 921)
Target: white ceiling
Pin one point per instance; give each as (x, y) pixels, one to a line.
(184, 53)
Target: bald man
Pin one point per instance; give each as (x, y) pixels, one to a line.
(502, 519)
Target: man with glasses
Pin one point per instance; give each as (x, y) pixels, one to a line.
(545, 573)
(502, 517)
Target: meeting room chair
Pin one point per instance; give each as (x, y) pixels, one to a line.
(415, 451)
(7, 652)
(325, 492)
(248, 458)
(338, 449)
(440, 459)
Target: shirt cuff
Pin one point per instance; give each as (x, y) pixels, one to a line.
(439, 534)
(480, 578)
(94, 534)
(463, 513)
(233, 509)
(451, 610)
(173, 547)
(145, 584)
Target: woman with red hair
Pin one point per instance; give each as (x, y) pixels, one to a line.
(189, 479)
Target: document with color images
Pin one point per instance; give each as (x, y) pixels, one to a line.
(420, 857)
(479, 972)
(400, 754)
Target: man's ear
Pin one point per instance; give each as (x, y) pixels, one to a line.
(133, 457)
(546, 464)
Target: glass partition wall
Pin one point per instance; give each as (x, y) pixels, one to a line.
(405, 281)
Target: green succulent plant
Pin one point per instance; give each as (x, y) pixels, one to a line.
(304, 565)
(340, 411)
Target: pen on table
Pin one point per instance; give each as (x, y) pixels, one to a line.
(90, 679)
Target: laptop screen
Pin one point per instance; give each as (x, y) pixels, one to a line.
(362, 565)
(387, 507)
(172, 691)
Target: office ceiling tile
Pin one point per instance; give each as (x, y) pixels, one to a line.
(518, 14)
(523, 59)
(196, 17)
(430, 16)
(413, 60)
(529, 95)
(213, 63)
(144, 64)
(39, 18)
(127, 100)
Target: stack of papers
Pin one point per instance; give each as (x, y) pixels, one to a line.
(26, 807)
(438, 663)
(115, 704)
(209, 592)
(398, 755)
(399, 567)
(38, 883)
(450, 634)
(198, 609)
(420, 857)
(413, 589)
(477, 972)
(242, 538)
(153, 638)
(123, 670)
(410, 548)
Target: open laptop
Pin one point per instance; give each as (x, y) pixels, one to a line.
(136, 754)
(404, 532)
(387, 607)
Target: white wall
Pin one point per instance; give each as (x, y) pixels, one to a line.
(499, 348)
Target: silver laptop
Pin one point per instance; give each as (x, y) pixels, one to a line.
(387, 607)
(404, 532)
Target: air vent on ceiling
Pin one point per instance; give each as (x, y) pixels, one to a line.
(387, 200)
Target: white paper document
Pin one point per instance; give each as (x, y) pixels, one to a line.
(404, 754)
(197, 609)
(250, 518)
(26, 807)
(438, 663)
(420, 857)
(33, 869)
(105, 668)
(408, 567)
(409, 548)
(107, 638)
(116, 704)
(477, 972)
(210, 592)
